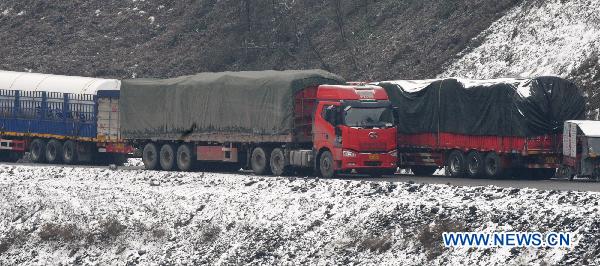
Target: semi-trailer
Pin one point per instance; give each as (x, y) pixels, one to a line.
(484, 128)
(272, 122)
(60, 119)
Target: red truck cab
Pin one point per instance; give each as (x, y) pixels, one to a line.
(354, 131)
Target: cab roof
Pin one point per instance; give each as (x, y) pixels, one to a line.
(351, 92)
(589, 128)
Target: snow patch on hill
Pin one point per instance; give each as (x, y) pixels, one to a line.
(91, 216)
(535, 38)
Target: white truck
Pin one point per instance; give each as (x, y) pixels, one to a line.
(581, 150)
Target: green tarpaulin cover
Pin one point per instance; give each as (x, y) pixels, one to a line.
(251, 103)
(504, 107)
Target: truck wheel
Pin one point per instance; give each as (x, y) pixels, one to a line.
(150, 156)
(37, 149)
(493, 165)
(565, 172)
(456, 164)
(167, 157)
(69, 152)
(475, 164)
(277, 162)
(185, 158)
(423, 170)
(260, 162)
(54, 151)
(326, 168)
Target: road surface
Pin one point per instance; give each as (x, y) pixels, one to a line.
(552, 184)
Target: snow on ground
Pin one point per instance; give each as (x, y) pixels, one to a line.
(551, 37)
(134, 162)
(62, 215)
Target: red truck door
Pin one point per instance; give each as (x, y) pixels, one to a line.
(324, 132)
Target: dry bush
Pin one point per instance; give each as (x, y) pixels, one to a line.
(210, 234)
(372, 242)
(159, 233)
(62, 232)
(111, 227)
(377, 244)
(431, 239)
(5, 244)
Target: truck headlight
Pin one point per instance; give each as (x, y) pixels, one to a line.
(393, 153)
(349, 153)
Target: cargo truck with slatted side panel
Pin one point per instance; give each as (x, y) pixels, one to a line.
(60, 119)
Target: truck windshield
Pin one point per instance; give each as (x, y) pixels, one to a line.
(594, 146)
(368, 117)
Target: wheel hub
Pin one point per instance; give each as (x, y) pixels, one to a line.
(184, 158)
(326, 164)
(455, 165)
(473, 165)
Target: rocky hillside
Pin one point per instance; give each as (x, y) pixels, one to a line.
(367, 39)
(549, 38)
(361, 40)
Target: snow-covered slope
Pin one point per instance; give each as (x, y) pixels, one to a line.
(536, 38)
(53, 215)
(553, 37)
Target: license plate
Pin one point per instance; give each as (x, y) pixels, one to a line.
(551, 160)
(373, 156)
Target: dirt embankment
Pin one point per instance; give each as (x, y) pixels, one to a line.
(55, 215)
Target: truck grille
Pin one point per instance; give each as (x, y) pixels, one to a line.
(366, 146)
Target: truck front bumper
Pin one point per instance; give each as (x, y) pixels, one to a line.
(366, 161)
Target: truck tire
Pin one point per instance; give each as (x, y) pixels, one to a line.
(260, 161)
(277, 162)
(69, 152)
(475, 167)
(493, 165)
(419, 170)
(37, 149)
(150, 156)
(566, 172)
(167, 158)
(326, 167)
(456, 164)
(185, 158)
(54, 151)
